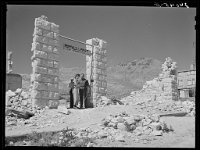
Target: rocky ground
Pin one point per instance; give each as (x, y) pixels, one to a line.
(112, 125)
(145, 118)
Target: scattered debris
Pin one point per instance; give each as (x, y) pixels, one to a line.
(135, 124)
(104, 101)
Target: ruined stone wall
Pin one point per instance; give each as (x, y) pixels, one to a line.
(187, 79)
(97, 62)
(170, 88)
(163, 87)
(45, 63)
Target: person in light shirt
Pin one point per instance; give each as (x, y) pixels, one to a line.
(76, 90)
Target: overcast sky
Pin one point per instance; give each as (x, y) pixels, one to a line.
(131, 32)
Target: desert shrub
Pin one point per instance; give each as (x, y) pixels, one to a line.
(167, 129)
(55, 138)
(82, 142)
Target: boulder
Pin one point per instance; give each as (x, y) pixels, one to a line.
(64, 111)
(155, 117)
(112, 124)
(138, 133)
(123, 114)
(24, 102)
(120, 137)
(10, 93)
(147, 131)
(110, 117)
(132, 127)
(120, 119)
(157, 133)
(19, 114)
(105, 122)
(90, 144)
(114, 120)
(18, 91)
(24, 95)
(130, 120)
(137, 118)
(121, 126)
(146, 122)
(104, 98)
(102, 134)
(156, 126)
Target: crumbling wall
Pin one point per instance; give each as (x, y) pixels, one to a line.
(45, 63)
(97, 64)
(13, 81)
(169, 79)
(163, 87)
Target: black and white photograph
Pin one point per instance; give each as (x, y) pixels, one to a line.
(100, 76)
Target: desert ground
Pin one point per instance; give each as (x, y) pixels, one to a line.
(51, 120)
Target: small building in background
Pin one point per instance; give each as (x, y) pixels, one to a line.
(13, 81)
(187, 83)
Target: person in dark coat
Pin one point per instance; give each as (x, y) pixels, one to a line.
(71, 87)
(83, 85)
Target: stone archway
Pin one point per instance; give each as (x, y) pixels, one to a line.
(45, 63)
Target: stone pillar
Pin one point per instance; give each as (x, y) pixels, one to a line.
(96, 68)
(45, 63)
(170, 88)
(10, 62)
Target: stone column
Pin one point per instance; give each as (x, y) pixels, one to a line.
(96, 68)
(10, 62)
(170, 88)
(45, 63)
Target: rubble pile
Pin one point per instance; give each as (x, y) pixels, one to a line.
(136, 124)
(189, 106)
(161, 93)
(155, 105)
(18, 100)
(104, 101)
(19, 108)
(118, 127)
(42, 118)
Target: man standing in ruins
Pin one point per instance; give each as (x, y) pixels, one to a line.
(83, 84)
(71, 87)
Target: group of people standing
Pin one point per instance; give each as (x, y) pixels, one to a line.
(79, 90)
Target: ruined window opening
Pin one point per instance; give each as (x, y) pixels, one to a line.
(191, 93)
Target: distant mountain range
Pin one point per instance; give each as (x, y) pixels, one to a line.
(122, 78)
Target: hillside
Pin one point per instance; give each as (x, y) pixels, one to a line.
(122, 78)
(132, 75)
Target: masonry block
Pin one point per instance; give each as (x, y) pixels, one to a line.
(53, 104)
